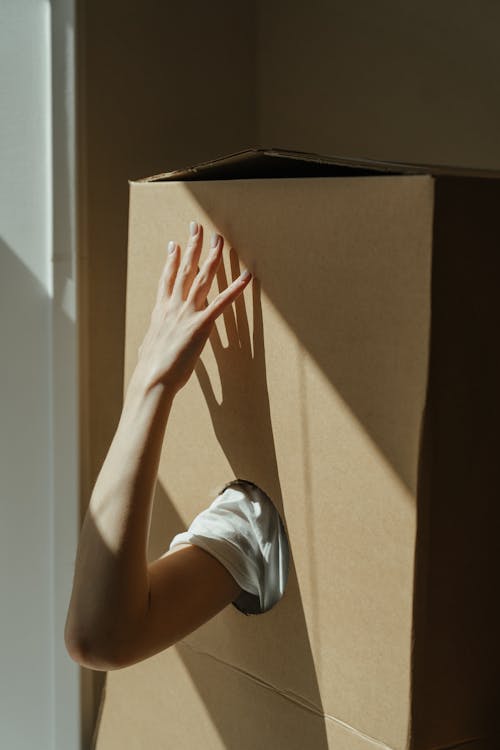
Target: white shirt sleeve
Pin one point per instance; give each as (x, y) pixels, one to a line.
(243, 530)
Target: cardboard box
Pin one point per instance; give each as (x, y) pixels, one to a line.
(364, 399)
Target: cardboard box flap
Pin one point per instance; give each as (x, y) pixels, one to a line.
(260, 162)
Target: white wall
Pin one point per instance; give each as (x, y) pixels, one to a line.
(39, 684)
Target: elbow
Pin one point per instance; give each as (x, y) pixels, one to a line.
(94, 653)
(84, 653)
(79, 652)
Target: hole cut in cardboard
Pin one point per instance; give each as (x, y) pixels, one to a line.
(243, 529)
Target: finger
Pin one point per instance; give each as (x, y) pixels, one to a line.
(239, 303)
(173, 263)
(258, 325)
(216, 342)
(203, 281)
(206, 385)
(223, 300)
(189, 263)
(169, 272)
(229, 321)
(214, 338)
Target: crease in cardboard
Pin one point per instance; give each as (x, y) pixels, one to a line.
(294, 698)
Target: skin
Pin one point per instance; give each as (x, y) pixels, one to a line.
(122, 609)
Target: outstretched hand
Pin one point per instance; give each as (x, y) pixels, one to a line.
(182, 319)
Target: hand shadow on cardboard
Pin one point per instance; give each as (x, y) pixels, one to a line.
(242, 421)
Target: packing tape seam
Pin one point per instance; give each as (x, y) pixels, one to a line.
(293, 697)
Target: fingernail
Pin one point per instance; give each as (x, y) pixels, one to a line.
(245, 275)
(193, 228)
(214, 239)
(171, 246)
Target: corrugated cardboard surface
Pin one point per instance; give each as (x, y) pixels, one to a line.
(322, 409)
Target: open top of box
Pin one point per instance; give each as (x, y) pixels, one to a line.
(260, 162)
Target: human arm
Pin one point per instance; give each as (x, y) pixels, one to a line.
(123, 610)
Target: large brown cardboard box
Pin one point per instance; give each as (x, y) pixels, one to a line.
(361, 390)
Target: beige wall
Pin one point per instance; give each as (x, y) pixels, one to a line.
(386, 79)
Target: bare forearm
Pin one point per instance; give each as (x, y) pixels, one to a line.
(110, 596)
(110, 589)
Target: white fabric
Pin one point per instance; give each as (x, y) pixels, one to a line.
(243, 530)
